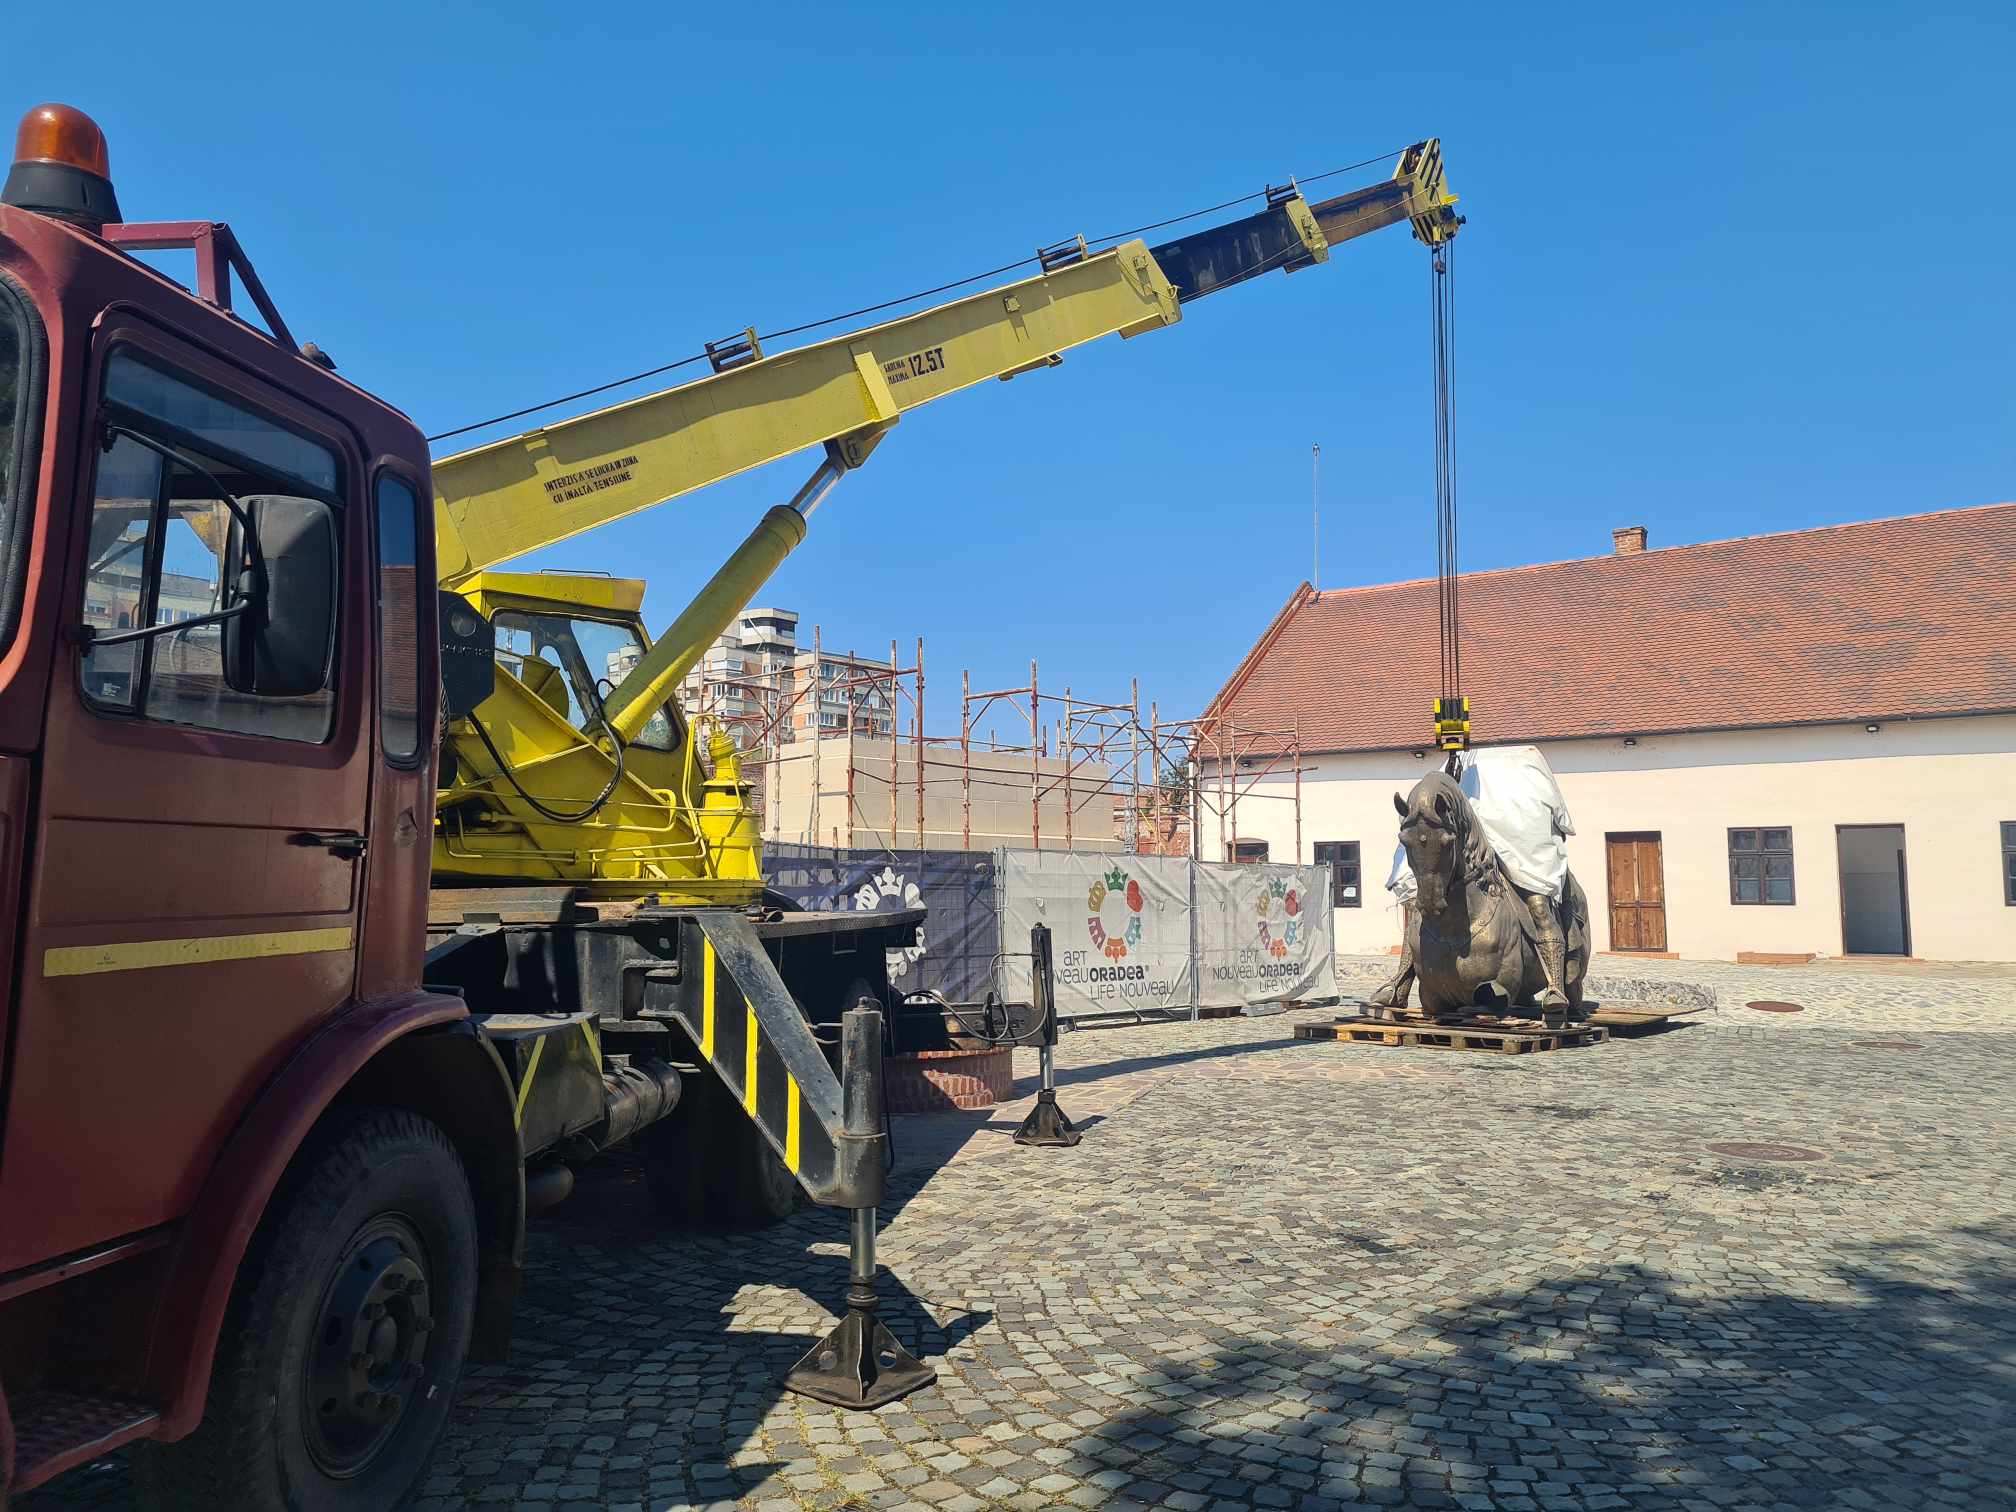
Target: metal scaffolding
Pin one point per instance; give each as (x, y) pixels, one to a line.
(1241, 759)
(1095, 774)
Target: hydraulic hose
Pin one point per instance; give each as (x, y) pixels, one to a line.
(556, 815)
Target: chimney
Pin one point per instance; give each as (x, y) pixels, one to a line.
(1630, 540)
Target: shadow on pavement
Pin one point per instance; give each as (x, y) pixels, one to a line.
(927, 1141)
(637, 1336)
(1608, 1386)
(1070, 1076)
(638, 1368)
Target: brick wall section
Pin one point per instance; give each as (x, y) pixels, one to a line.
(933, 1081)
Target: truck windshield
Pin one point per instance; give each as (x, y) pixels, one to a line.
(10, 399)
(18, 362)
(573, 664)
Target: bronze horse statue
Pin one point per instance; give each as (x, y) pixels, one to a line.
(1475, 940)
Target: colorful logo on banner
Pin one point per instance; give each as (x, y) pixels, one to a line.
(1280, 909)
(1115, 925)
(868, 898)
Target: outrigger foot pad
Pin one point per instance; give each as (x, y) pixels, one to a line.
(859, 1364)
(1046, 1125)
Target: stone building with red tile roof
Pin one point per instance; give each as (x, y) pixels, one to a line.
(1792, 744)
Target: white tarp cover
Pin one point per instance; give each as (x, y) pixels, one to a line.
(1119, 928)
(1265, 934)
(1524, 817)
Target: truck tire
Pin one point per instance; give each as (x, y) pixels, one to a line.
(707, 1165)
(346, 1332)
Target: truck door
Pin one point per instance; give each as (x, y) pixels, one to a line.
(196, 876)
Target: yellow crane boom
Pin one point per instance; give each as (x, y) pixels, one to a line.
(501, 500)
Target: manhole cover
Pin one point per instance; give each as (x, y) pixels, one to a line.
(1766, 1152)
(1777, 1007)
(1885, 1045)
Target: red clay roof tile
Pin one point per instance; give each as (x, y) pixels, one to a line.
(1887, 619)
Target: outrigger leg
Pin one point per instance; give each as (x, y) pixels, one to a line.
(1046, 1126)
(860, 1364)
(827, 1130)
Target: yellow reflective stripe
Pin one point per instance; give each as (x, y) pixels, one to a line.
(525, 1086)
(594, 1041)
(749, 1071)
(706, 999)
(145, 955)
(791, 1125)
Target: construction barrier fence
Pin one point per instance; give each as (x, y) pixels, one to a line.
(1120, 929)
(955, 950)
(1131, 933)
(1265, 934)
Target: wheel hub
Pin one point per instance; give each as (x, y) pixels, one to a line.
(369, 1351)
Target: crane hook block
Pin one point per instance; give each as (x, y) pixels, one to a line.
(1452, 724)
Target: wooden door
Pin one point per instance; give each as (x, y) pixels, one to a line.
(1637, 892)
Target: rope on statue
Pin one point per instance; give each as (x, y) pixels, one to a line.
(1452, 709)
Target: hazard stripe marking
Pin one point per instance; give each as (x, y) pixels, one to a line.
(525, 1086)
(706, 999)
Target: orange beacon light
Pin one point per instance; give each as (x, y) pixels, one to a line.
(62, 168)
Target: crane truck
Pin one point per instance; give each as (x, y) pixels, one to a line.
(357, 888)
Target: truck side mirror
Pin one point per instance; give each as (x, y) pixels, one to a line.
(468, 657)
(282, 645)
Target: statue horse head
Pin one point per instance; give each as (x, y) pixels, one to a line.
(1445, 844)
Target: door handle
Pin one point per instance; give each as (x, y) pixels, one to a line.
(346, 845)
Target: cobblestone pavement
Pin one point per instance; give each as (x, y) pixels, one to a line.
(1304, 1275)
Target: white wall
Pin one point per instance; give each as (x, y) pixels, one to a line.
(1949, 782)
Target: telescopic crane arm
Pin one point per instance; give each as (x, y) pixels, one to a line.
(501, 500)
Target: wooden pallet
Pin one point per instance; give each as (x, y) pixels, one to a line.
(1470, 1035)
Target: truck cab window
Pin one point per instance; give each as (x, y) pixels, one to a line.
(129, 486)
(398, 620)
(161, 537)
(20, 412)
(10, 396)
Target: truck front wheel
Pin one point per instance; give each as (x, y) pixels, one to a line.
(346, 1333)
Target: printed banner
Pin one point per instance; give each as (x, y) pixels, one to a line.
(954, 953)
(1119, 928)
(1265, 934)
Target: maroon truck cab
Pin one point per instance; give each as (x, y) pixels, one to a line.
(218, 701)
(262, 1185)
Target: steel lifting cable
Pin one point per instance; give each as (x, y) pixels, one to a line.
(1448, 582)
(889, 304)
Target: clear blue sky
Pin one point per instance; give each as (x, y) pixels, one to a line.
(1729, 268)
